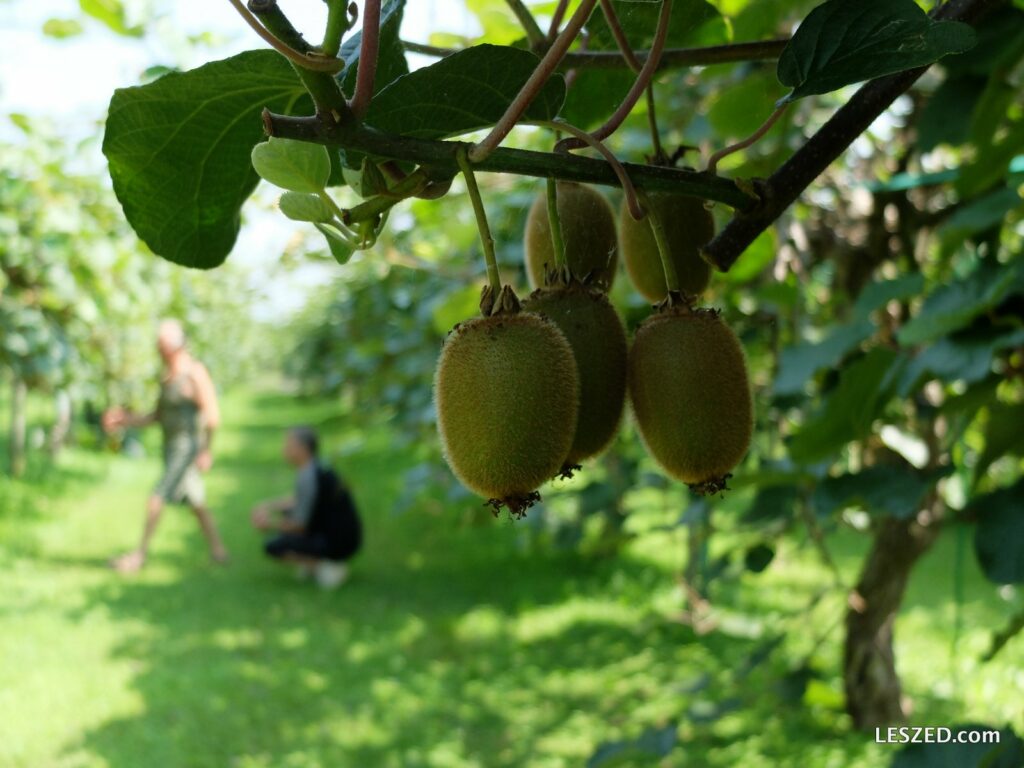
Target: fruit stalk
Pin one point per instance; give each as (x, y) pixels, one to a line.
(671, 276)
(369, 44)
(555, 223)
(486, 240)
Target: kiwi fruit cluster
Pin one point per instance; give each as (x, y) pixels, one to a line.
(527, 391)
(588, 232)
(688, 226)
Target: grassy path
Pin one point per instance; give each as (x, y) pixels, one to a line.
(452, 646)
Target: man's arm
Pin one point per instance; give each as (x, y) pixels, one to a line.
(209, 410)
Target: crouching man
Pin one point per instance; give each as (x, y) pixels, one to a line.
(318, 528)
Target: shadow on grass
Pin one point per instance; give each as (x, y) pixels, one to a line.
(449, 647)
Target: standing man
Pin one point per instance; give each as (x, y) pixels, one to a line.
(317, 528)
(188, 415)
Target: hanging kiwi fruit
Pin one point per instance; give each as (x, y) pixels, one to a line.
(588, 231)
(690, 393)
(598, 340)
(507, 396)
(688, 226)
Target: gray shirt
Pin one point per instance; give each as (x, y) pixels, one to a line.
(305, 494)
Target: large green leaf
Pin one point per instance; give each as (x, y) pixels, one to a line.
(896, 491)
(463, 92)
(999, 538)
(964, 357)
(849, 410)
(799, 363)
(179, 147)
(842, 42)
(953, 305)
(1003, 435)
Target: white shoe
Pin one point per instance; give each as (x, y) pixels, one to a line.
(331, 574)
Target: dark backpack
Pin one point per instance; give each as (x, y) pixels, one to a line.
(335, 517)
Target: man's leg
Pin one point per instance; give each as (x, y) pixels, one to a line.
(217, 550)
(131, 562)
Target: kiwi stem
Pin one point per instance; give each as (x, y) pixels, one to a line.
(634, 64)
(533, 85)
(635, 209)
(555, 224)
(307, 59)
(671, 277)
(751, 139)
(493, 276)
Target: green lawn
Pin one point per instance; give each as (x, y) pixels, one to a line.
(452, 646)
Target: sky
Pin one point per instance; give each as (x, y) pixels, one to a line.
(70, 81)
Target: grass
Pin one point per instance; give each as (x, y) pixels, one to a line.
(453, 645)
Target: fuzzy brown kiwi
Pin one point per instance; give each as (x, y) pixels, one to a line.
(505, 428)
(598, 341)
(688, 226)
(691, 396)
(588, 231)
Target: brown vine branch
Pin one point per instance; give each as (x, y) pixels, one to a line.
(556, 19)
(732, 53)
(636, 210)
(439, 157)
(534, 83)
(369, 45)
(751, 139)
(643, 79)
(787, 183)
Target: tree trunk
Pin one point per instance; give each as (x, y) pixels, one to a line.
(873, 694)
(61, 430)
(19, 396)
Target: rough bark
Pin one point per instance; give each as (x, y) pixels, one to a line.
(874, 696)
(19, 396)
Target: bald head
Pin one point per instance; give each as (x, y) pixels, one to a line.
(170, 338)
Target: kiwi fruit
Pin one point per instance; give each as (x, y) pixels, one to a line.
(598, 340)
(507, 396)
(688, 227)
(588, 232)
(691, 396)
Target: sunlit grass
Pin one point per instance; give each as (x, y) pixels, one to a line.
(452, 646)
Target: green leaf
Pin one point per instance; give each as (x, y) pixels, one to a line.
(895, 491)
(1003, 436)
(877, 294)
(391, 63)
(297, 166)
(953, 305)
(758, 557)
(946, 117)
(62, 28)
(842, 42)
(463, 92)
(961, 357)
(978, 216)
(758, 256)
(849, 410)
(799, 363)
(303, 206)
(112, 14)
(341, 249)
(179, 151)
(367, 181)
(992, 162)
(999, 538)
